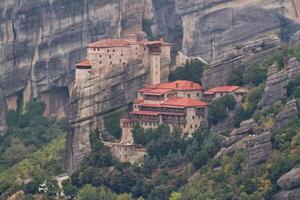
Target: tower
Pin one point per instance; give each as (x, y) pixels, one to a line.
(154, 56)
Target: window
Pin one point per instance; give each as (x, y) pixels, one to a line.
(120, 61)
(94, 49)
(100, 56)
(109, 56)
(121, 54)
(196, 126)
(198, 94)
(107, 50)
(100, 62)
(110, 62)
(193, 117)
(144, 49)
(189, 95)
(191, 126)
(113, 50)
(150, 124)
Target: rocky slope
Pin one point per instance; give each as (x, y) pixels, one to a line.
(212, 26)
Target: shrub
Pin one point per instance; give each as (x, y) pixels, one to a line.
(200, 159)
(192, 70)
(112, 124)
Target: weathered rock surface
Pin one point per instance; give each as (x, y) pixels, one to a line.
(258, 150)
(3, 125)
(288, 112)
(290, 180)
(237, 138)
(212, 26)
(290, 185)
(277, 82)
(90, 102)
(41, 40)
(287, 195)
(237, 58)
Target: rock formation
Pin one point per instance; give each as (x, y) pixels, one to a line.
(238, 57)
(290, 185)
(90, 102)
(278, 80)
(288, 112)
(210, 27)
(40, 42)
(3, 125)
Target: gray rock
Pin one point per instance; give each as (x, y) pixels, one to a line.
(277, 81)
(100, 96)
(3, 125)
(212, 26)
(290, 180)
(258, 149)
(288, 112)
(287, 195)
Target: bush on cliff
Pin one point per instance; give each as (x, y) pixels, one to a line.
(192, 71)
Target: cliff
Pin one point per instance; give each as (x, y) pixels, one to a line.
(212, 26)
(40, 42)
(91, 101)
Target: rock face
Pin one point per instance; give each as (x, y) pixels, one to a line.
(89, 103)
(289, 112)
(212, 26)
(3, 125)
(277, 82)
(237, 58)
(258, 150)
(40, 42)
(290, 185)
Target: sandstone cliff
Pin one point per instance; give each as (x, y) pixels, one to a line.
(212, 26)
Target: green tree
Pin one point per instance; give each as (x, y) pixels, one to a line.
(192, 70)
(200, 159)
(236, 77)
(112, 124)
(255, 74)
(88, 192)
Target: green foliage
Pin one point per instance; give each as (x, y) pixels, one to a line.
(192, 70)
(88, 192)
(112, 124)
(200, 159)
(255, 75)
(218, 110)
(293, 88)
(143, 137)
(249, 105)
(236, 77)
(146, 27)
(100, 155)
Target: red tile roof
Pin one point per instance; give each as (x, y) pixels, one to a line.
(222, 89)
(107, 43)
(145, 113)
(183, 102)
(179, 85)
(85, 63)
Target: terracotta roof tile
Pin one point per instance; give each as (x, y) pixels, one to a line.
(183, 102)
(85, 63)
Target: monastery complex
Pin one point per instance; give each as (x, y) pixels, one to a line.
(182, 105)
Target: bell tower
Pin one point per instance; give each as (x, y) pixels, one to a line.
(154, 55)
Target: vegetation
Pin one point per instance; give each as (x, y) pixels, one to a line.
(192, 70)
(112, 124)
(218, 110)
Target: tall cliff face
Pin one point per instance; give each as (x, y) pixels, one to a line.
(40, 42)
(212, 26)
(98, 96)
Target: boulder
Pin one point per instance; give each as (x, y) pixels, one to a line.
(288, 112)
(277, 82)
(258, 150)
(287, 195)
(290, 180)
